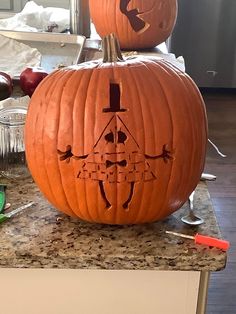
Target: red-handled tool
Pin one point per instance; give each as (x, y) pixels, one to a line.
(201, 239)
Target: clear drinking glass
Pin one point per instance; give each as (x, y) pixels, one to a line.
(12, 148)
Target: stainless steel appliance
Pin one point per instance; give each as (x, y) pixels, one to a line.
(79, 17)
(205, 35)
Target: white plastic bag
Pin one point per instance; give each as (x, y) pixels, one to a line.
(37, 18)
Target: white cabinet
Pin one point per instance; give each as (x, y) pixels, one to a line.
(85, 291)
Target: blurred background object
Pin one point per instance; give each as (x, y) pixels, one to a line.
(205, 35)
(80, 17)
(34, 18)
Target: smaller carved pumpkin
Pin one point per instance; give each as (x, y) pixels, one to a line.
(138, 24)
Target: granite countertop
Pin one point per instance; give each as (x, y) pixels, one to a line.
(42, 237)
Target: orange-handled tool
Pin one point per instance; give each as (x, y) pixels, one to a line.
(201, 239)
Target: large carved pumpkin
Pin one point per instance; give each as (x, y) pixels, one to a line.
(117, 142)
(138, 24)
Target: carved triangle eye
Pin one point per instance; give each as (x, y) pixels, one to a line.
(110, 137)
(122, 137)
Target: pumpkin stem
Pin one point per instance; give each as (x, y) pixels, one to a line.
(111, 49)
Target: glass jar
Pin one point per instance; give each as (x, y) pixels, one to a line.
(12, 149)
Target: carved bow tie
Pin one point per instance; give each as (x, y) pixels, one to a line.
(121, 163)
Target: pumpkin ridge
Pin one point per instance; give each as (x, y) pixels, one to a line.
(192, 128)
(64, 185)
(189, 82)
(115, 19)
(165, 66)
(185, 95)
(85, 188)
(173, 67)
(95, 143)
(98, 210)
(125, 24)
(148, 210)
(97, 189)
(83, 213)
(139, 214)
(76, 192)
(136, 92)
(158, 76)
(158, 79)
(68, 209)
(106, 19)
(186, 80)
(44, 84)
(116, 214)
(36, 160)
(64, 77)
(148, 11)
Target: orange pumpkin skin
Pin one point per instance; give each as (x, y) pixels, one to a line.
(138, 24)
(117, 143)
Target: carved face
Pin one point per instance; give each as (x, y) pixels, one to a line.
(138, 23)
(116, 157)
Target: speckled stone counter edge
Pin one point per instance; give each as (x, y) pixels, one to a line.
(42, 237)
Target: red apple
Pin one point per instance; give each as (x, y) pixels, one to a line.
(6, 85)
(30, 79)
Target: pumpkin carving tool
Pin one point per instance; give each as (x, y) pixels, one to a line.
(205, 240)
(12, 213)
